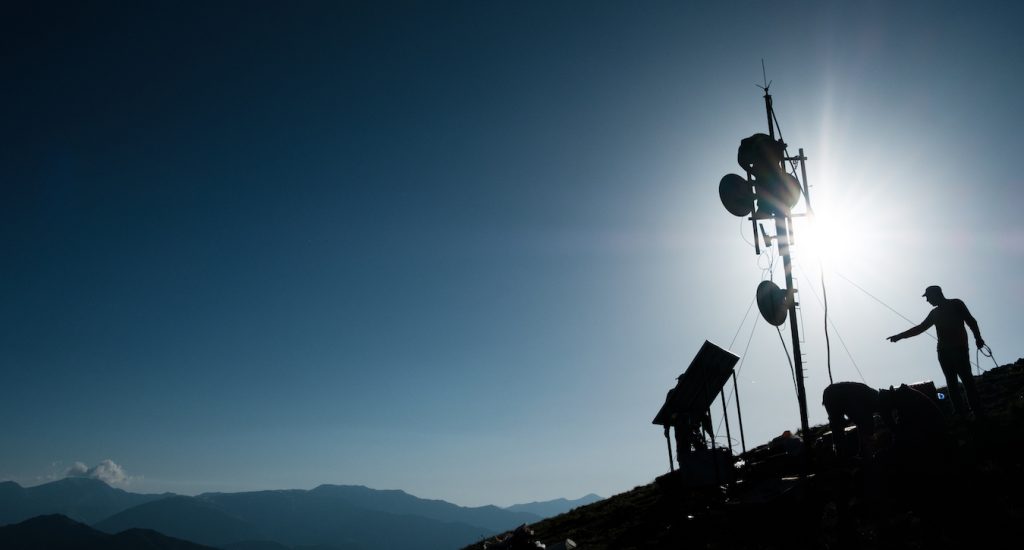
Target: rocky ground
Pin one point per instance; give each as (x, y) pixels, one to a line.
(969, 495)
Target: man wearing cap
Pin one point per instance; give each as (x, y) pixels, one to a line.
(948, 317)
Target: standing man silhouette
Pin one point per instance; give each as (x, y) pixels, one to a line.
(948, 317)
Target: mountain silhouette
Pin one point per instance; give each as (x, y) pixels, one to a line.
(399, 502)
(57, 532)
(327, 517)
(15, 504)
(551, 508)
(82, 499)
(188, 518)
(360, 517)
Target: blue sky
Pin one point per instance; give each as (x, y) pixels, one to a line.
(463, 249)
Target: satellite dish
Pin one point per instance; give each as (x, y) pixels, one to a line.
(772, 302)
(736, 194)
(778, 193)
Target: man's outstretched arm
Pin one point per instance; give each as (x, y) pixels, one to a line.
(925, 325)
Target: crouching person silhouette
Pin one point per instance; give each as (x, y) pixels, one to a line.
(858, 403)
(918, 427)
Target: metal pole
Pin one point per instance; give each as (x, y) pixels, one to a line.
(757, 239)
(668, 441)
(739, 414)
(707, 412)
(782, 235)
(782, 232)
(725, 415)
(714, 448)
(803, 172)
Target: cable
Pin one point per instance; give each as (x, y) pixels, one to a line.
(933, 337)
(826, 320)
(832, 323)
(877, 299)
(792, 163)
(744, 321)
(747, 347)
(739, 369)
(769, 255)
(828, 345)
(743, 233)
(987, 352)
(792, 370)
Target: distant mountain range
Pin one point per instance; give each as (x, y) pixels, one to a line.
(83, 499)
(329, 517)
(551, 508)
(57, 532)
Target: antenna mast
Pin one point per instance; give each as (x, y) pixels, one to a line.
(769, 191)
(768, 101)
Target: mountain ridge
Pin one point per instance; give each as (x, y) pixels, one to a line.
(82, 499)
(183, 517)
(59, 532)
(554, 507)
(328, 516)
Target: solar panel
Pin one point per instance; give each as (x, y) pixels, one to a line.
(698, 386)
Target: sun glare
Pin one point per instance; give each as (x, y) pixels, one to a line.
(843, 239)
(823, 239)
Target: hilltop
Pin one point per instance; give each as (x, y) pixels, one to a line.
(966, 498)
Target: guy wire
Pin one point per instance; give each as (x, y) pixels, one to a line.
(792, 371)
(835, 328)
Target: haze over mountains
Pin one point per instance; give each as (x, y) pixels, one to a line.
(327, 517)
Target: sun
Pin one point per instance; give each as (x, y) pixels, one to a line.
(844, 239)
(824, 239)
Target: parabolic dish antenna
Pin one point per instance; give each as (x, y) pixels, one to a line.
(778, 192)
(772, 303)
(737, 194)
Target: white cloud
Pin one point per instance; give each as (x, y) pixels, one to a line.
(77, 470)
(107, 471)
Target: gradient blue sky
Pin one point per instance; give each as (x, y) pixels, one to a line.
(464, 248)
